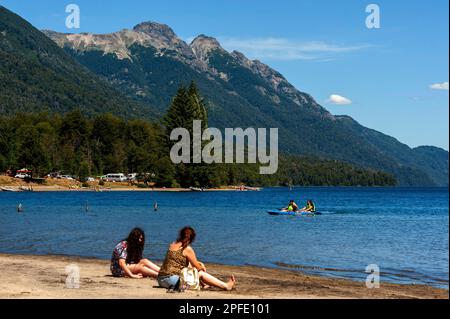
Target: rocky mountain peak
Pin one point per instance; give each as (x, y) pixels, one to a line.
(155, 29)
(162, 37)
(203, 44)
(157, 35)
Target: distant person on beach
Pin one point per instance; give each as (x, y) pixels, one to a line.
(292, 206)
(310, 207)
(127, 258)
(179, 255)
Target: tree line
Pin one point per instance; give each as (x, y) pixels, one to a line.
(84, 146)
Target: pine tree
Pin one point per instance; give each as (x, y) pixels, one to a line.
(198, 105)
(187, 106)
(179, 113)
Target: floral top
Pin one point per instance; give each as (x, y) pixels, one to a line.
(120, 252)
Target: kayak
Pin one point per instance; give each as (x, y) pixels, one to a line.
(280, 212)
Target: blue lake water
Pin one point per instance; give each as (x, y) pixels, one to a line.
(402, 230)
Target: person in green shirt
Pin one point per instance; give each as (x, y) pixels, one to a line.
(292, 207)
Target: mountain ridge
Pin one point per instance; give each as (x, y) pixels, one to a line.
(263, 91)
(149, 62)
(35, 75)
(163, 38)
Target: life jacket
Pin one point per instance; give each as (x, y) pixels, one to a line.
(311, 207)
(290, 208)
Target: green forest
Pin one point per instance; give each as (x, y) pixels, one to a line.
(83, 146)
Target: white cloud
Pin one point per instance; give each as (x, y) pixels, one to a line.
(287, 49)
(439, 86)
(339, 100)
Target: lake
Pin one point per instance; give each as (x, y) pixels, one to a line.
(402, 230)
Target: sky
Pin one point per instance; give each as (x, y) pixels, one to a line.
(393, 78)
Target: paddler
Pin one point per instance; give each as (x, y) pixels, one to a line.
(292, 207)
(310, 207)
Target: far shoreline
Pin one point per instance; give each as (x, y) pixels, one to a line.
(9, 184)
(122, 189)
(43, 189)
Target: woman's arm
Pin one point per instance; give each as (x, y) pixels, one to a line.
(201, 264)
(123, 265)
(190, 255)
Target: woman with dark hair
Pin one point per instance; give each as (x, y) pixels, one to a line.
(179, 255)
(127, 258)
(310, 207)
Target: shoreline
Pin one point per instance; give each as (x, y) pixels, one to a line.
(44, 276)
(10, 184)
(41, 189)
(56, 188)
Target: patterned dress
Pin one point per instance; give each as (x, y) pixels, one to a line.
(173, 263)
(120, 252)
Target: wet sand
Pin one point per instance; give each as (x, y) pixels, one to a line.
(28, 276)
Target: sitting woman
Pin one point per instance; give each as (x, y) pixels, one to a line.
(310, 207)
(179, 255)
(127, 260)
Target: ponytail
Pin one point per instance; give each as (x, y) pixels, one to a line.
(186, 236)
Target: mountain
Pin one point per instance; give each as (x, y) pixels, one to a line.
(149, 62)
(135, 73)
(36, 75)
(434, 161)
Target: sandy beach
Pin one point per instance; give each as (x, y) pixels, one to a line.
(63, 185)
(27, 276)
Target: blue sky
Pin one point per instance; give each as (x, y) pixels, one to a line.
(393, 79)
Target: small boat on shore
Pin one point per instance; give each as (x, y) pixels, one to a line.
(9, 189)
(25, 189)
(243, 188)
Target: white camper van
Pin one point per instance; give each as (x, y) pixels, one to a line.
(118, 177)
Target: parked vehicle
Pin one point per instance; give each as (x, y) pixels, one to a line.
(117, 177)
(22, 175)
(132, 177)
(54, 175)
(87, 179)
(68, 177)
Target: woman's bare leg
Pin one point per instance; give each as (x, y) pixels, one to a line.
(141, 269)
(213, 281)
(147, 263)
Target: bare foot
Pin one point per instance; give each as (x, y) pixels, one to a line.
(231, 283)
